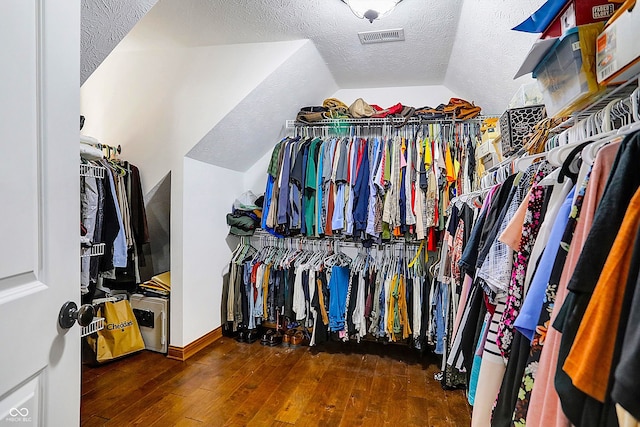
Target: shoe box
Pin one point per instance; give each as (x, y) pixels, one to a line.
(152, 314)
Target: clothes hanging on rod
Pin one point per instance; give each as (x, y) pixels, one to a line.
(113, 214)
(368, 183)
(550, 250)
(382, 292)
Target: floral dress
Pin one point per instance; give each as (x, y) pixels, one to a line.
(537, 344)
(531, 227)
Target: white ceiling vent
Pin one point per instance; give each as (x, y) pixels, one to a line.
(382, 36)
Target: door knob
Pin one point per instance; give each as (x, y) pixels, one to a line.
(70, 312)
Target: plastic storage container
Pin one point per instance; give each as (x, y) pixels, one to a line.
(567, 74)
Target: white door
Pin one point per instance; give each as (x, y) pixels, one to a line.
(39, 211)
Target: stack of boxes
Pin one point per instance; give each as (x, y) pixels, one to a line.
(597, 46)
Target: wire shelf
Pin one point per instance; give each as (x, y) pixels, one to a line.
(95, 250)
(92, 171)
(289, 124)
(96, 325)
(611, 93)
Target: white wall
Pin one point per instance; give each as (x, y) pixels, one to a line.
(252, 128)
(414, 96)
(158, 104)
(487, 53)
(209, 192)
(255, 178)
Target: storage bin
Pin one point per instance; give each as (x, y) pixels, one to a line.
(618, 50)
(517, 123)
(567, 74)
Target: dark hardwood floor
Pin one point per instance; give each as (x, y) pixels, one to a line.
(231, 383)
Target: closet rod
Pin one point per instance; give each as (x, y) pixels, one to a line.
(506, 161)
(289, 124)
(100, 146)
(340, 240)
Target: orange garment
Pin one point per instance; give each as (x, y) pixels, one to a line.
(512, 235)
(323, 310)
(448, 162)
(591, 356)
(402, 306)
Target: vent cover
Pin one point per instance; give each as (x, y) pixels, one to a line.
(383, 36)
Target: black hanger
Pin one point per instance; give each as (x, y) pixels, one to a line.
(565, 170)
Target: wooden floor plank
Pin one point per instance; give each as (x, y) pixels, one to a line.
(418, 411)
(254, 400)
(459, 409)
(188, 422)
(238, 384)
(356, 408)
(94, 421)
(309, 369)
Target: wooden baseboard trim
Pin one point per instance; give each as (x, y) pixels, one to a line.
(183, 353)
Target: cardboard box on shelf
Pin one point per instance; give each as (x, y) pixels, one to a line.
(579, 12)
(618, 49)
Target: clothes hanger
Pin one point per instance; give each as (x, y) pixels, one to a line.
(557, 156)
(522, 163)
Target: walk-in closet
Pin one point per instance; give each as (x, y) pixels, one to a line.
(320, 213)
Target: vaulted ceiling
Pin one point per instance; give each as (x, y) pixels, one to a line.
(466, 45)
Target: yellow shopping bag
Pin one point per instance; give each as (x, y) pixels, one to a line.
(120, 335)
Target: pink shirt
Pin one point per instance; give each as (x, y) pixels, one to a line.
(544, 405)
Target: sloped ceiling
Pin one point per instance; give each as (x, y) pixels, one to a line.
(104, 25)
(466, 45)
(422, 59)
(487, 54)
(251, 129)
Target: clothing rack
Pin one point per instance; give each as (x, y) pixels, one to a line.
(91, 170)
(398, 267)
(379, 122)
(500, 171)
(335, 240)
(100, 146)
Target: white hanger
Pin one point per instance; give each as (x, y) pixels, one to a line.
(589, 152)
(89, 140)
(522, 163)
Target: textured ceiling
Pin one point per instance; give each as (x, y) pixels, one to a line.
(430, 28)
(487, 53)
(301, 80)
(466, 45)
(104, 24)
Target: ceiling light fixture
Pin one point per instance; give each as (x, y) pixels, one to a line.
(371, 9)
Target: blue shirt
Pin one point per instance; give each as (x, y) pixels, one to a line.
(527, 320)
